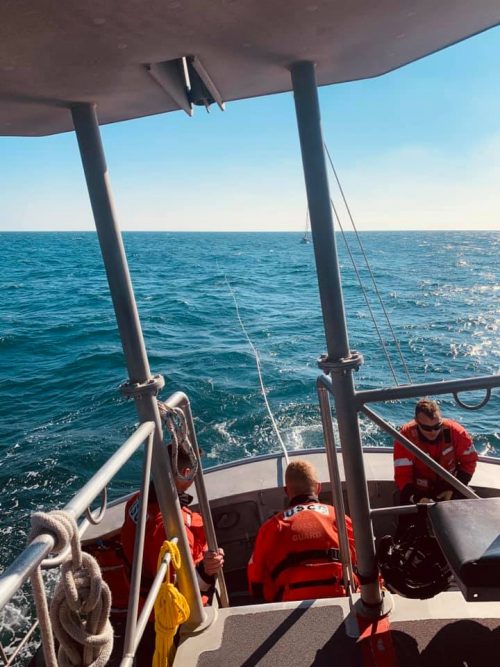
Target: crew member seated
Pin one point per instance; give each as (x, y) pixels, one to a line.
(296, 554)
(446, 441)
(207, 563)
(413, 564)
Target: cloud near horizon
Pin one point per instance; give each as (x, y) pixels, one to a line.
(418, 187)
(411, 187)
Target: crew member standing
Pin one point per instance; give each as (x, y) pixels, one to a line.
(296, 554)
(446, 441)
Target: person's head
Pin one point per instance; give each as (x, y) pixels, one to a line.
(301, 478)
(428, 418)
(184, 469)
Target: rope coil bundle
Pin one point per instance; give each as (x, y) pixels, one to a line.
(79, 612)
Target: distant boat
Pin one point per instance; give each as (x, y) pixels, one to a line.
(307, 237)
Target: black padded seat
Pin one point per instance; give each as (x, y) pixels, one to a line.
(468, 532)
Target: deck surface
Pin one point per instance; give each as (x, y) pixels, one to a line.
(317, 636)
(276, 637)
(444, 631)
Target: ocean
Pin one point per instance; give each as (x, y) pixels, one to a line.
(61, 363)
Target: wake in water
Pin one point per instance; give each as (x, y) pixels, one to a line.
(61, 414)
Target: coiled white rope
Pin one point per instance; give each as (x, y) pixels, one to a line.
(259, 372)
(79, 612)
(175, 422)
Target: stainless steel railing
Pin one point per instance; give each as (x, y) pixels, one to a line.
(25, 564)
(180, 400)
(336, 484)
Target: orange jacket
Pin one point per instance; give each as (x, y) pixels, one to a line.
(155, 534)
(296, 554)
(453, 449)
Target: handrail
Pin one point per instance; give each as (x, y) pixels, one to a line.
(140, 534)
(180, 400)
(33, 555)
(395, 509)
(129, 653)
(452, 386)
(24, 565)
(416, 390)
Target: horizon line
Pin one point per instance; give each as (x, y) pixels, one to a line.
(240, 231)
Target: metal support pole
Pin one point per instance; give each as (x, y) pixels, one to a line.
(201, 492)
(179, 399)
(115, 262)
(336, 484)
(318, 197)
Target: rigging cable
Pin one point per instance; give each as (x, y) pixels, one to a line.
(259, 372)
(398, 347)
(384, 347)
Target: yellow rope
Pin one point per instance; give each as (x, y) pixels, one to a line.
(171, 610)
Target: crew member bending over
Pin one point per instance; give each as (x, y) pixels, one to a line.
(446, 441)
(296, 554)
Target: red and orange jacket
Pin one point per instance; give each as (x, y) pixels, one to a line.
(296, 554)
(115, 556)
(155, 534)
(453, 449)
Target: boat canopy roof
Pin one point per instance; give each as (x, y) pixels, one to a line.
(55, 53)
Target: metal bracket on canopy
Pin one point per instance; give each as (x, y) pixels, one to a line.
(352, 362)
(170, 76)
(201, 84)
(478, 406)
(186, 81)
(141, 389)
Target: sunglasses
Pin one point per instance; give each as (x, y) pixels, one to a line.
(435, 427)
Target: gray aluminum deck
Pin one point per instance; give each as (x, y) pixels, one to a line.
(443, 632)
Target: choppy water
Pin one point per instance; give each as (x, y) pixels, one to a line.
(61, 361)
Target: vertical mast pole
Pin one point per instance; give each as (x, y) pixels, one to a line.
(340, 363)
(144, 387)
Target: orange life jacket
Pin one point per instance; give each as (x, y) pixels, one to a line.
(195, 533)
(453, 449)
(155, 536)
(442, 452)
(297, 556)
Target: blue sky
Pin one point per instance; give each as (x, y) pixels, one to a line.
(415, 149)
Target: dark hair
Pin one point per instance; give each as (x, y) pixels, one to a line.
(428, 407)
(183, 459)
